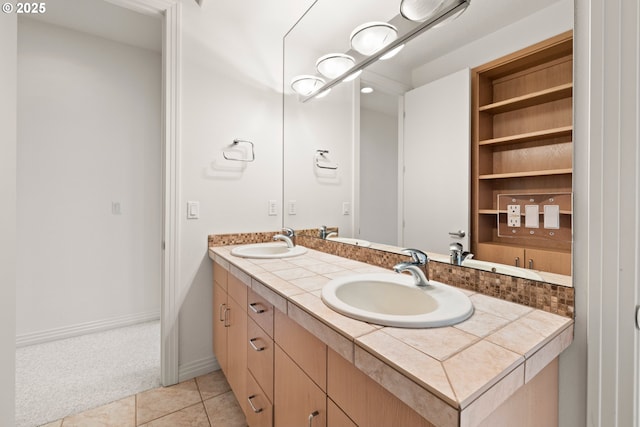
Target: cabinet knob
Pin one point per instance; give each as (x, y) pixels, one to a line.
(517, 261)
(312, 416)
(253, 408)
(531, 264)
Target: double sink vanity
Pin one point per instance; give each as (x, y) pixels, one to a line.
(327, 334)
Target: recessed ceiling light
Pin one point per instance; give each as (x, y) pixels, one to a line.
(366, 89)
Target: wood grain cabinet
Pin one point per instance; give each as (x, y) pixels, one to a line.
(230, 330)
(522, 144)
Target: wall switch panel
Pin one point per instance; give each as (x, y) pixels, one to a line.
(272, 209)
(513, 215)
(193, 210)
(293, 207)
(346, 208)
(116, 208)
(552, 216)
(532, 216)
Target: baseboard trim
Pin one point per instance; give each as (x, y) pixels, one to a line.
(197, 367)
(24, 340)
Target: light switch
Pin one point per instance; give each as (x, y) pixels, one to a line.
(346, 208)
(552, 216)
(293, 207)
(532, 216)
(193, 210)
(116, 208)
(272, 209)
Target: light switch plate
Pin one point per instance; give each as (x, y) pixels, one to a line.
(193, 210)
(513, 215)
(532, 216)
(552, 216)
(272, 208)
(346, 208)
(293, 207)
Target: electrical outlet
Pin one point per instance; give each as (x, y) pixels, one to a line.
(513, 215)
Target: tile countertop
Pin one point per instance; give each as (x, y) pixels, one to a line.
(452, 375)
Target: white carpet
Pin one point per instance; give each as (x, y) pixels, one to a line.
(68, 376)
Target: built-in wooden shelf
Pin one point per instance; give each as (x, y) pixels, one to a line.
(496, 211)
(530, 136)
(547, 172)
(530, 99)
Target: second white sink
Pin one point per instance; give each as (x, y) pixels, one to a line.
(268, 250)
(390, 299)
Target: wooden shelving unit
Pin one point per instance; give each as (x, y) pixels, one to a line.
(522, 143)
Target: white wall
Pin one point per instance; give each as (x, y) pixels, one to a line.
(231, 88)
(8, 75)
(89, 135)
(379, 168)
(546, 23)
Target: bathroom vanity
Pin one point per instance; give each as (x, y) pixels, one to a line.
(291, 360)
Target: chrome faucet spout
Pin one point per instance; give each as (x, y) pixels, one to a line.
(285, 239)
(414, 267)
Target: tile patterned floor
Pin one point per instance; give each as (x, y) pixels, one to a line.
(206, 401)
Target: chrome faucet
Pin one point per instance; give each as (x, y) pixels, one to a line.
(287, 236)
(457, 253)
(419, 260)
(323, 232)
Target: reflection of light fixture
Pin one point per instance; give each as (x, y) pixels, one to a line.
(419, 10)
(334, 64)
(393, 52)
(366, 89)
(305, 85)
(323, 93)
(369, 38)
(352, 76)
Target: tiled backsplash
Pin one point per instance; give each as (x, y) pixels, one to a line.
(544, 296)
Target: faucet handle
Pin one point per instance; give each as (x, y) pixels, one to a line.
(417, 255)
(288, 232)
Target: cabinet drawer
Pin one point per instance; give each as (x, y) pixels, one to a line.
(237, 290)
(259, 407)
(260, 311)
(308, 351)
(260, 357)
(220, 275)
(337, 418)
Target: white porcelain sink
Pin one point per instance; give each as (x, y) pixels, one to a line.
(350, 241)
(392, 299)
(268, 250)
(501, 269)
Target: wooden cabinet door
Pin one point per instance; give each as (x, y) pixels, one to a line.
(260, 357)
(237, 352)
(298, 400)
(220, 321)
(508, 255)
(546, 260)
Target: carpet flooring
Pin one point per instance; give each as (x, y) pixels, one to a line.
(68, 376)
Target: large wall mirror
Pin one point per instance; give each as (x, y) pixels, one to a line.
(391, 168)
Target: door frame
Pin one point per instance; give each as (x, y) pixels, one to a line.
(169, 12)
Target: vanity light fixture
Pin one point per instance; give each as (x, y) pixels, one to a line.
(352, 76)
(323, 93)
(306, 85)
(369, 38)
(393, 52)
(421, 10)
(334, 64)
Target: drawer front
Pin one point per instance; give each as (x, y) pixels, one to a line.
(259, 407)
(260, 357)
(261, 311)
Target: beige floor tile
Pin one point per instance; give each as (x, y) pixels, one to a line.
(193, 416)
(212, 384)
(53, 424)
(121, 413)
(159, 402)
(224, 411)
